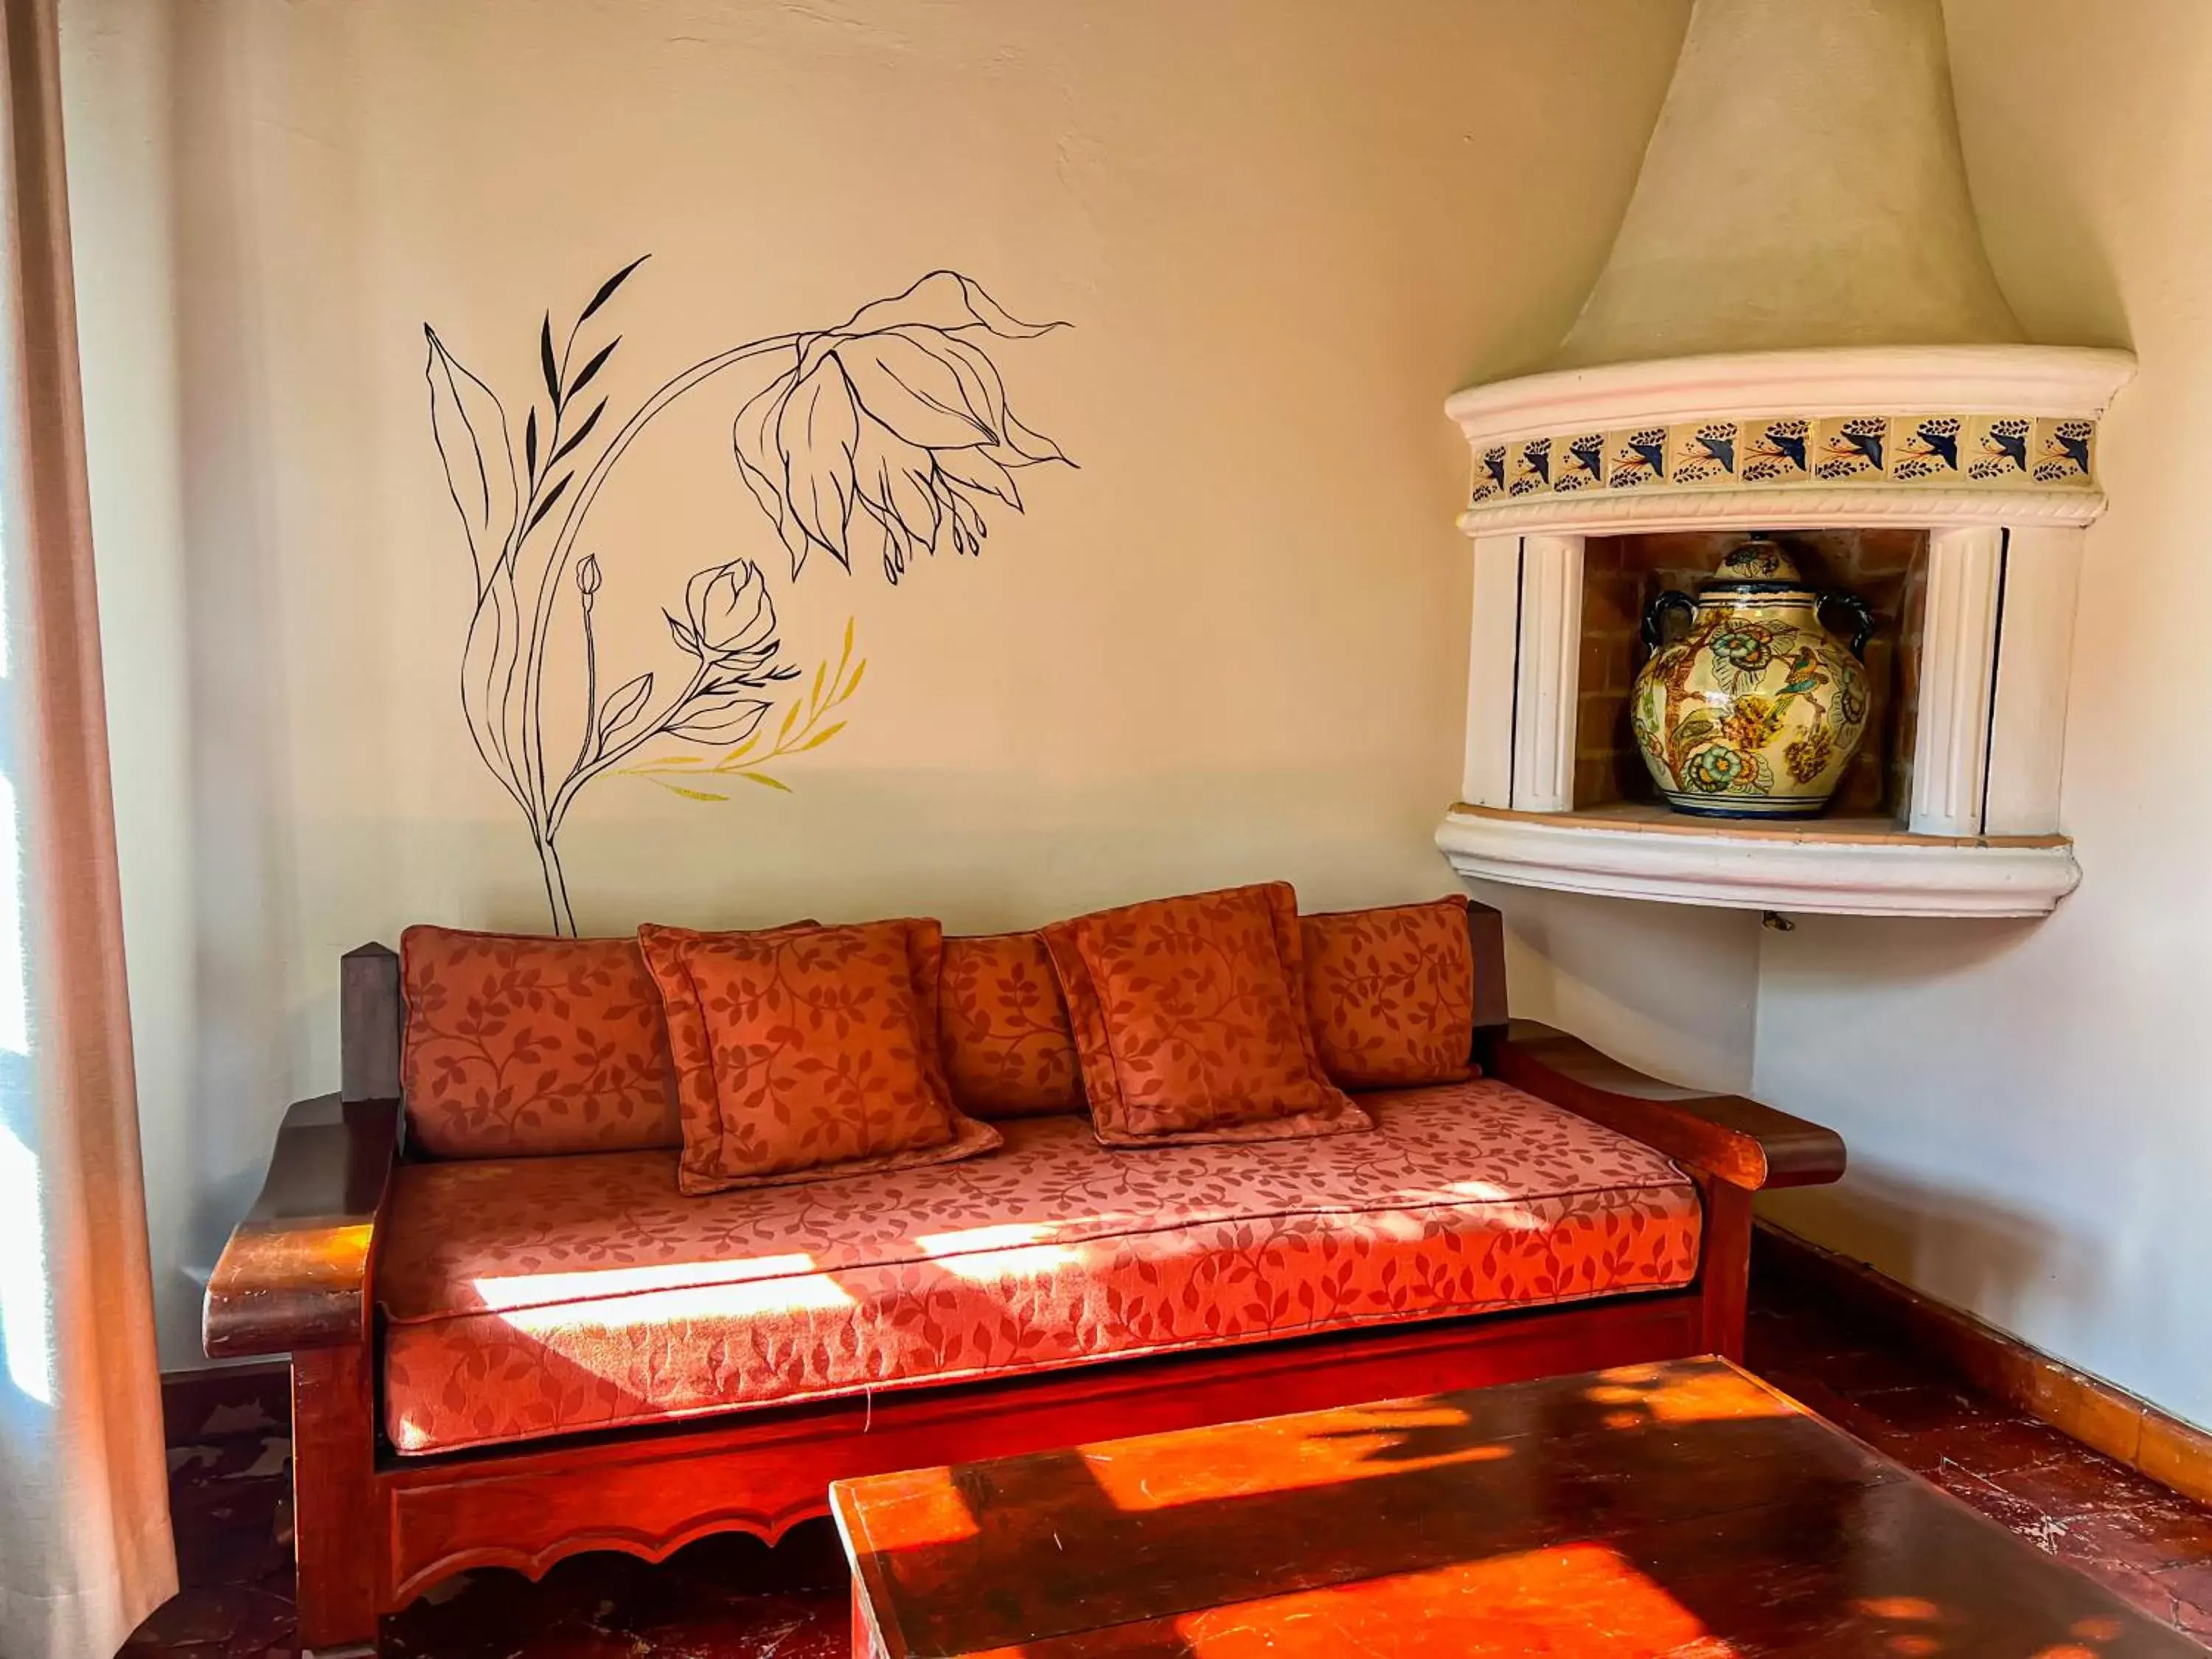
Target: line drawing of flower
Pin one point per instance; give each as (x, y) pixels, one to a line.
(893, 423)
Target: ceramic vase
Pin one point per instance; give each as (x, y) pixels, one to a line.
(1754, 710)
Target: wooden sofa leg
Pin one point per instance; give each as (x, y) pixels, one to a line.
(336, 1537)
(1725, 1274)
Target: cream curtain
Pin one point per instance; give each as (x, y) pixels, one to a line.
(85, 1552)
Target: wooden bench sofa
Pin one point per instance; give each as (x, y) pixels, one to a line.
(344, 1223)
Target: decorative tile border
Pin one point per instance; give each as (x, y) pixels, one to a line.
(2011, 452)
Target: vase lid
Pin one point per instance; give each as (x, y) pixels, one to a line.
(1758, 564)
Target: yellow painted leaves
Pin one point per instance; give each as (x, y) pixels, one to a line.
(806, 725)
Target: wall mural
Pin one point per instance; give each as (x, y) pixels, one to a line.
(887, 435)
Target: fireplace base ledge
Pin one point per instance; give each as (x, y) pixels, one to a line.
(1832, 866)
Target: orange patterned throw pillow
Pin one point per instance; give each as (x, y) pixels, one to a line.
(805, 1054)
(518, 1045)
(1009, 1051)
(1390, 992)
(691, 1061)
(1190, 1019)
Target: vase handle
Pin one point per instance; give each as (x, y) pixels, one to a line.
(1861, 619)
(1655, 615)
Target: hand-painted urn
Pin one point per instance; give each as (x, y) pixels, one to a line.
(1754, 710)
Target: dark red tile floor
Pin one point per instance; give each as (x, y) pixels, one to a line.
(730, 1598)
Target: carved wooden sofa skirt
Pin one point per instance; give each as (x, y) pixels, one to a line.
(513, 1337)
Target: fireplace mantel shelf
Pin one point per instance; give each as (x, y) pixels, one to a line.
(1844, 867)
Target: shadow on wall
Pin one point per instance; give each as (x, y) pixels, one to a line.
(1898, 957)
(1873, 1026)
(1672, 989)
(1993, 1261)
(234, 911)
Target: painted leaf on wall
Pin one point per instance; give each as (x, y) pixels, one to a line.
(470, 431)
(727, 718)
(487, 665)
(622, 706)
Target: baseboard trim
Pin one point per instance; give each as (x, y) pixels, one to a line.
(2106, 1418)
(190, 1398)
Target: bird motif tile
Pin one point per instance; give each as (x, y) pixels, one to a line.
(2062, 451)
(1581, 463)
(1529, 467)
(1997, 448)
(1636, 457)
(1774, 450)
(1924, 447)
(1489, 474)
(1702, 453)
(1851, 450)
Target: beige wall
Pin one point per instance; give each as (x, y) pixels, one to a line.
(1230, 646)
(2029, 1106)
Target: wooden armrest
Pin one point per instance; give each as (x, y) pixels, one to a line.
(295, 1272)
(1726, 1136)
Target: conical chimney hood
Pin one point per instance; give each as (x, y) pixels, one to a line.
(1803, 187)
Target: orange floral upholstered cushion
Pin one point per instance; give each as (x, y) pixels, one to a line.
(691, 1059)
(1008, 1049)
(1390, 992)
(1190, 1018)
(519, 1045)
(553, 1295)
(817, 1048)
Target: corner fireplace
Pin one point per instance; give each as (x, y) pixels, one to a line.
(1796, 333)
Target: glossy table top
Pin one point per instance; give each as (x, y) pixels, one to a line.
(1677, 1509)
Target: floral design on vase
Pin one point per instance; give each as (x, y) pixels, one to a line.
(1757, 708)
(888, 434)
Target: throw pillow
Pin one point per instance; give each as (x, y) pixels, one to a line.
(1190, 1019)
(805, 1053)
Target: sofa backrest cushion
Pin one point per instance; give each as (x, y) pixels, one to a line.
(1390, 992)
(1009, 1050)
(517, 1046)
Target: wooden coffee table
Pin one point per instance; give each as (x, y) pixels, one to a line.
(1683, 1509)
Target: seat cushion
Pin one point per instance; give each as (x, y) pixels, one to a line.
(526, 1298)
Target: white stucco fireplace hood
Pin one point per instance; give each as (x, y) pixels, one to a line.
(1798, 328)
